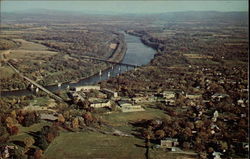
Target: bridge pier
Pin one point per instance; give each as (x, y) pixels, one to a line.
(37, 90)
(59, 85)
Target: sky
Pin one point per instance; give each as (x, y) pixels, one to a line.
(122, 6)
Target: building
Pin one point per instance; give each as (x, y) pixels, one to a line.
(169, 142)
(86, 88)
(217, 155)
(110, 93)
(193, 96)
(76, 95)
(142, 99)
(128, 107)
(219, 96)
(49, 117)
(170, 102)
(169, 94)
(100, 103)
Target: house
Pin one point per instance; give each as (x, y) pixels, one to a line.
(5, 151)
(100, 103)
(240, 102)
(216, 155)
(110, 93)
(169, 142)
(215, 116)
(86, 88)
(219, 96)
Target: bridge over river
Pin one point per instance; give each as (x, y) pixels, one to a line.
(137, 54)
(36, 84)
(108, 61)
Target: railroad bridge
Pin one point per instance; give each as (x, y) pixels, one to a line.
(36, 84)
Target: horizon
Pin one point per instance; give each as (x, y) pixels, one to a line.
(121, 7)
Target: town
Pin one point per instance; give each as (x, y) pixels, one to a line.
(150, 86)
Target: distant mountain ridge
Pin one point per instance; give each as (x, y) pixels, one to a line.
(46, 14)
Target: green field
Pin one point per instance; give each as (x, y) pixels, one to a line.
(96, 145)
(6, 72)
(90, 145)
(122, 120)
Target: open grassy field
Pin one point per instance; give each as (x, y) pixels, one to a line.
(30, 50)
(122, 121)
(6, 72)
(23, 131)
(122, 118)
(94, 145)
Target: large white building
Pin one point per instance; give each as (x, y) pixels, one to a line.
(87, 88)
(128, 107)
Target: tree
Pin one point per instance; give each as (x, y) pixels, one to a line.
(159, 134)
(9, 122)
(29, 141)
(186, 145)
(42, 142)
(38, 154)
(13, 130)
(75, 123)
(61, 118)
(88, 118)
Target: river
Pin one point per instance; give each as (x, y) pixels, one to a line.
(137, 54)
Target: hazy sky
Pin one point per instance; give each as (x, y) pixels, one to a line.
(127, 6)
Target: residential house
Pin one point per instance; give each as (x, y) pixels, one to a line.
(219, 96)
(240, 102)
(216, 155)
(169, 142)
(5, 151)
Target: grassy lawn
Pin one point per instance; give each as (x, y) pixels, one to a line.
(91, 145)
(121, 118)
(40, 101)
(23, 131)
(94, 145)
(6, 72)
